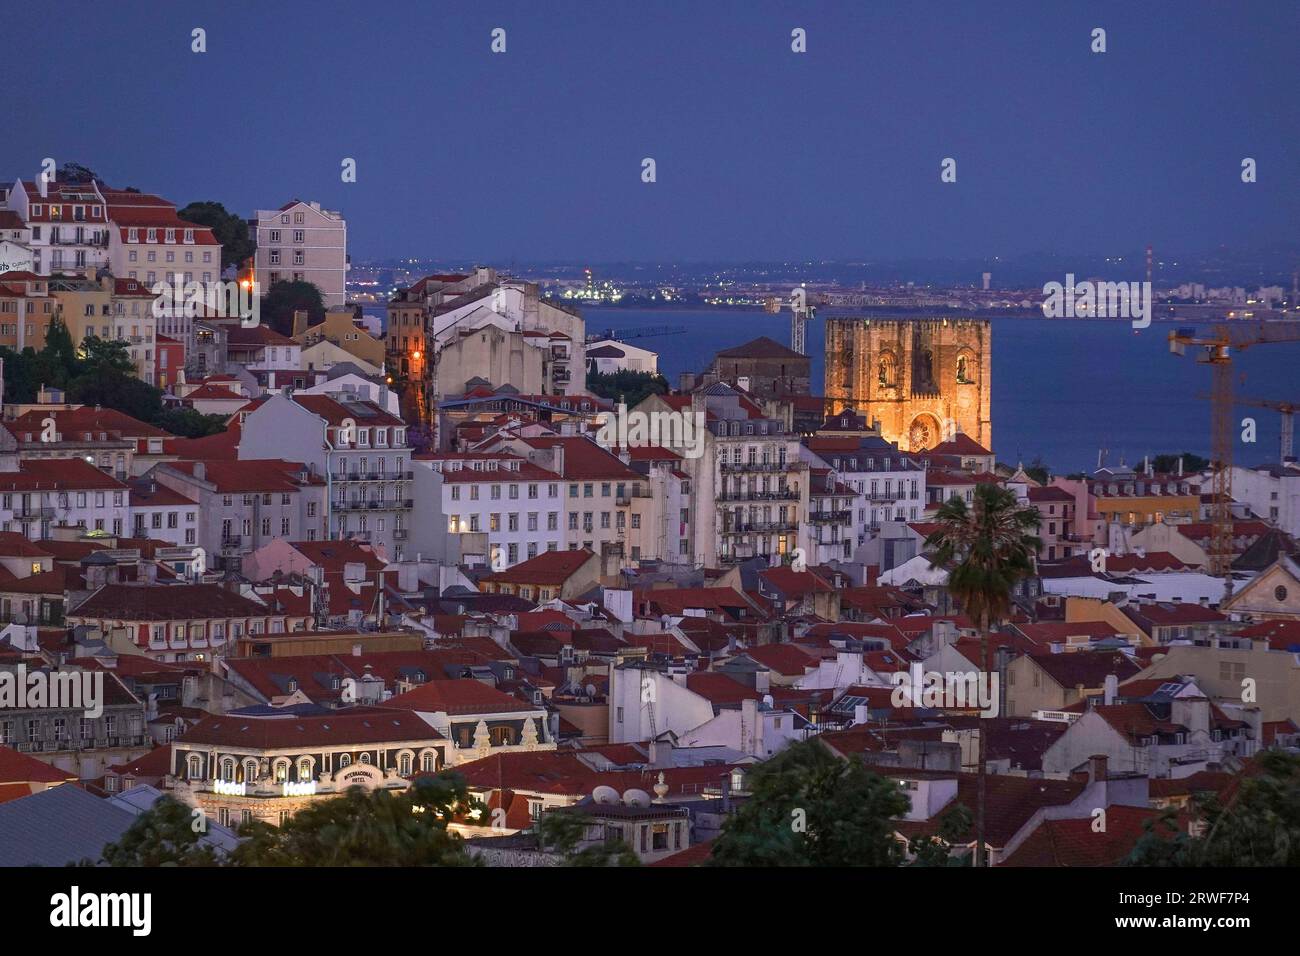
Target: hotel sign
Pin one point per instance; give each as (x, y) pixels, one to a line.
(229, 789)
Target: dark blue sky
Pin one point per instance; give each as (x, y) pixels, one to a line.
(536, 154)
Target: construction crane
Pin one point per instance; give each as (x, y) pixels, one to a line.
(801, 314)
(1286, 411)
(1218, 346)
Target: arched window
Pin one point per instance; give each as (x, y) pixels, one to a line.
(344, 761)
(228, 770)
(428, 761)
(195, 763)
(502, 736)
(404, 764)
(304, 770)
(887, 370)
(281, 771)
(250, 771)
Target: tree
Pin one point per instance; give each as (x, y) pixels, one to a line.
(1039, 471)
(936, 849)
(283, 299)
(1258, 826)
(988, 547)
(809, 807)
(189, 423)
(164, 835)
(626, 386)
(367, 828)
(112, 388)
(562, 829)
(105, 354)
(75, 173)
(228, 229)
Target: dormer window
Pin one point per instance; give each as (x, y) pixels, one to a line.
(170, 235)
(133, 235)
(151, 235)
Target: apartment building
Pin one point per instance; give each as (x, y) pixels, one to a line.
(273, 359)
(246, 504)
(115, 442)
(357, 447)
(301, 242)
(149, 242)
(26, 308)
(181, 622)
(518, 506)
(1272, 491)
(67, 224)
(750, 481)
(340, 328)
(41, 494)
(891, 484)
(598, 488)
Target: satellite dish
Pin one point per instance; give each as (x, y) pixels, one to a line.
(636, 798)
(605, 794)
(591, 690)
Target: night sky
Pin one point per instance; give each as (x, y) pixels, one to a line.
(761, 153)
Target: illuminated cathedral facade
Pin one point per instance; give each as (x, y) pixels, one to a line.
(923, 379)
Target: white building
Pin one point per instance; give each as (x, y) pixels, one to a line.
(300, 241)
(67, 227)
(360, 449)
(518, 505)
(1272, 491)
(611, 355)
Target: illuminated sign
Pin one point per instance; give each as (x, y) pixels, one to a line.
(226, 788)
(300, 789)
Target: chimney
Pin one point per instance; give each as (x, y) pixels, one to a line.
(751, 728)
(356, 650)
(1112, 689)
(42, 186)
(200, 471)
(1097, 768)
(861, 714)
(557, 460)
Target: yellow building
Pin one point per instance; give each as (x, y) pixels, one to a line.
(341, 328)
(26, 309)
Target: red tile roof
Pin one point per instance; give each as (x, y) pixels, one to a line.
(458, 697)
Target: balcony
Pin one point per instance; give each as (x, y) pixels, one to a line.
(761, 527)
(760, 466)
(787, 495)
(830, 517)
(232, 542)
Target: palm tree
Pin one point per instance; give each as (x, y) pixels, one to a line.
(988, 546)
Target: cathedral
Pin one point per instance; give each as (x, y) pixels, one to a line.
(923, 379)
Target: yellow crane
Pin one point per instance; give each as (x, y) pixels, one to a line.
(1223, 339)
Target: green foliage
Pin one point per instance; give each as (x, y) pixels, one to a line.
(989, 547)
(1168, 464)
(1260, 827)
(75, 173)
(229, 229)
(367, 828)
(284, 298)
(1039, 471)
(810, 808)
(164, 835)
(631, 387)
(99, 373)
(936, 849)
(562, 830)
(189, 423)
